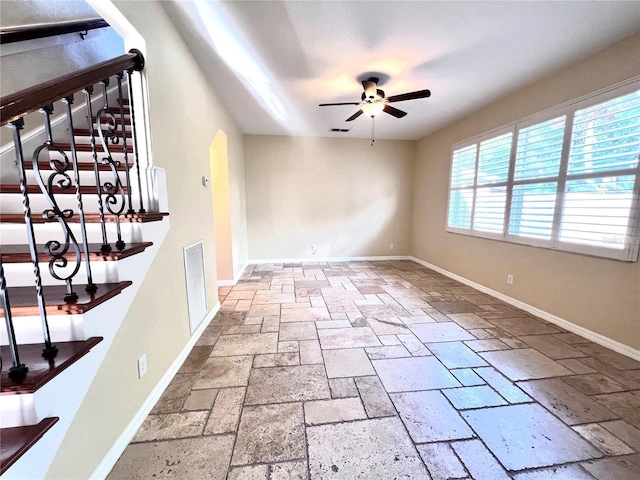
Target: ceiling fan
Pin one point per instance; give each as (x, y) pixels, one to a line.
(374, 102)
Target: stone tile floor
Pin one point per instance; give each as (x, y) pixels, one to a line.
(387, 370)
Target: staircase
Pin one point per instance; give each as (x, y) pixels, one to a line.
(79, 229)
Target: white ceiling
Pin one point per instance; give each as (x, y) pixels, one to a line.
(273, 62)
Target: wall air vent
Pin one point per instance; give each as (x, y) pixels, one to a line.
(196, 283)
(339, 130)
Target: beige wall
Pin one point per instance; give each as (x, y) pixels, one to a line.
(598, 294)
(182, 129)
(323, 191)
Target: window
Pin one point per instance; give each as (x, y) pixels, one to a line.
(491, 185)
(565, 179)
(535, 180)
(463, 173)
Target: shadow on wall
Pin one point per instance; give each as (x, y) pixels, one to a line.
(374, 222)
(366, 225)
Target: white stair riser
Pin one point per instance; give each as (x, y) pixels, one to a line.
(10, 175)
(87, 177)
(17, 410)
(62, 328)
(88, 156)
(16, 233)
(12, 202)
(21, 274)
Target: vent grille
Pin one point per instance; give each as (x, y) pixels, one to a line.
(196, 283)
(340, 130)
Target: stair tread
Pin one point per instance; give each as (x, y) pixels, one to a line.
(88, 218)
(116, 110)
(127, 120)
(21, 253)
(35, 189)
(84, 132)
(86, 147)
(82, 166)
(42, 370)
(16, 441)
(24, 300)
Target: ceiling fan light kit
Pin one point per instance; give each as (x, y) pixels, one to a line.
(374, 102)
(372, 109)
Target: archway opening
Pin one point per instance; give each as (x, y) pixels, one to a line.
(221, 206)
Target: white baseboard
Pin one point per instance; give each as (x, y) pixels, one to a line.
(561, 322)
(110, 459)
(263, 261)
(231, 283)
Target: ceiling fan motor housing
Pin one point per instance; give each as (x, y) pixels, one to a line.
(373, 98)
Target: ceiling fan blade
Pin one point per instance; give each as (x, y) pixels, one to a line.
(370, 88)
(354, 116)
(332, 104)
(409, 96)
(394, 111)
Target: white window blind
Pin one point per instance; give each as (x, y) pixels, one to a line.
(463, 174)
(597, 211)
(488, 214)
(606, 136)
(532, 209)
(464, 167)
(566, 179)
(537, 167)
(539, 149)
(602, 169)
(491, 193)
(493, 159)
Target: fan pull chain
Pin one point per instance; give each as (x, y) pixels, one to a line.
(373, 129)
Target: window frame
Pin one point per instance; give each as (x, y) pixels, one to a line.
(628, 254)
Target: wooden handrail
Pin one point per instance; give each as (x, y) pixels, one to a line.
(16, 105)
(41, 30)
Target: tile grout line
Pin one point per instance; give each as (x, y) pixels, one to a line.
(394, 277)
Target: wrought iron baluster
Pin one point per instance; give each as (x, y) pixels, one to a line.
(59, 179)
(105, 248)
(18, 370)
(130, 210)
(49, 350)
(115, 197)
(91, 287)
(134, 134)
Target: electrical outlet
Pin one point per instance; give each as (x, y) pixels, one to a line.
(391, 246)
(510, 279)
(142, 365)
(335, 247)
